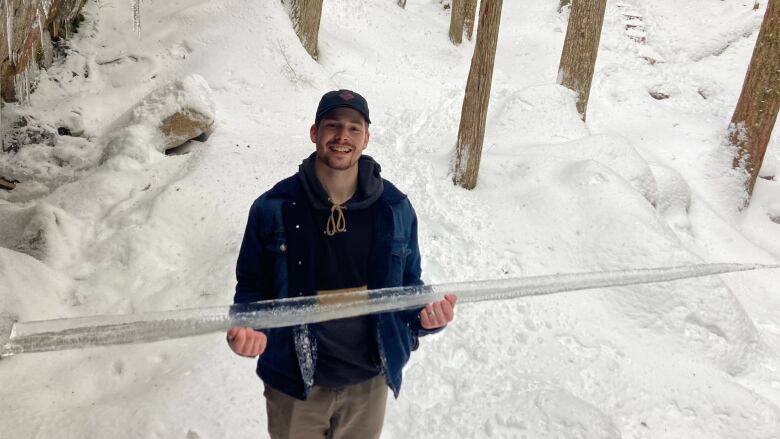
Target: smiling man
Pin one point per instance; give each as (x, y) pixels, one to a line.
(333, 227)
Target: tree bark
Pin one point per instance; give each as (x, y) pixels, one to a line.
(754, 118)
(402, 3)
(469, 14)
(578, 59)
(457, 20)
(305, 16)
(473, 115)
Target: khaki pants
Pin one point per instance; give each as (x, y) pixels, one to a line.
(357, 411)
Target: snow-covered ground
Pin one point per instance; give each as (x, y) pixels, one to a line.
(643, 183)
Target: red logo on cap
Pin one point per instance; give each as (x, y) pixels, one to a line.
(346, 95)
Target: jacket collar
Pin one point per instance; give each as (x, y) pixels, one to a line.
(291, 188)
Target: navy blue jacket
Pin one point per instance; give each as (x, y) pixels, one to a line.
(276, 261)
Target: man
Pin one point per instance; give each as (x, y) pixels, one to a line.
(335, 226)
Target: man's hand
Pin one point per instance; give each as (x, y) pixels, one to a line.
(438, 314)
(246, 341)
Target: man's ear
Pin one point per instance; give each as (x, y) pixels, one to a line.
(313, 133)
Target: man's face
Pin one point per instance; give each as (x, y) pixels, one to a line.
(341, 138)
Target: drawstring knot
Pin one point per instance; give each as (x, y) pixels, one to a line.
(336, 221)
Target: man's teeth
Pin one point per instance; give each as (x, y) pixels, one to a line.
(339, 149)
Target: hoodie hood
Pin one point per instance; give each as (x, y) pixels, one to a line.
(369, 186)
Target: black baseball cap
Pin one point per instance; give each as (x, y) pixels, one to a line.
(341, 98)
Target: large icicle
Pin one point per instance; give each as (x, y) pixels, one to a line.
(136, 7)
(40, 23)
(9, 33)
(45, 6)
(25, 82)
(51, 335)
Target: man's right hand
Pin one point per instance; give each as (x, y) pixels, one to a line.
(246, 341)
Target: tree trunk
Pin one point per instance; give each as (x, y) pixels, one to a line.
(469, 14)
(473, 114)
(305, 16)
(457, 21)
(402, 3)
(758, 105)
(580, 48)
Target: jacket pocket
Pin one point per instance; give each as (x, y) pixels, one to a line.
(277, 249)
(398, 254)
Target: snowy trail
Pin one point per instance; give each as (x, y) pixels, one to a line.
(643, 183)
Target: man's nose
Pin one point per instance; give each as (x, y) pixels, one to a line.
(342, 133)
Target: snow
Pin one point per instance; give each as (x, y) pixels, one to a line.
(642, 183)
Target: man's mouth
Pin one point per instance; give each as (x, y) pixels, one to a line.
(339, 148)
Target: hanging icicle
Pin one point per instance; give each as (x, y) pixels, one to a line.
(136, 5)
(40, 23)
(25, 82)
(9, 32)
(45, 6)
(69, 22)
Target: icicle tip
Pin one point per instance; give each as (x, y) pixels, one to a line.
(7, 322)
(765, 266)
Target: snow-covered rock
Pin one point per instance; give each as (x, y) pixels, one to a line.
(165, 118)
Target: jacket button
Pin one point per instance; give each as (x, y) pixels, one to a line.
(300, 263)
(293, 203)
(283, 247)
(297, 226)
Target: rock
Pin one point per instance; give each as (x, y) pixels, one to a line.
(45, 232)
(164, 119)
(7, 184)
(659, 96)
(183, 126)
(23, 131)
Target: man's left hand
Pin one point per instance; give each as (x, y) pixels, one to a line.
(438, 314)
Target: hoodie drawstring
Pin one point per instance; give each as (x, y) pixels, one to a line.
(336, 221)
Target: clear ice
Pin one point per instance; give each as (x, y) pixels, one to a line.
(9, 32)
(136, 7)
(61, 334)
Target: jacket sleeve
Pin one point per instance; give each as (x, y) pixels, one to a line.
(412, 277)
(254, 267)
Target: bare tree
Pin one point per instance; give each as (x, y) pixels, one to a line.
(457, 20)
(580, 48)
(469, 14)
(305, 16)
(473, 114)
(758, 105)
(462, 19)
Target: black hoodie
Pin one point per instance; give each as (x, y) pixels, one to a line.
(346, 348)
